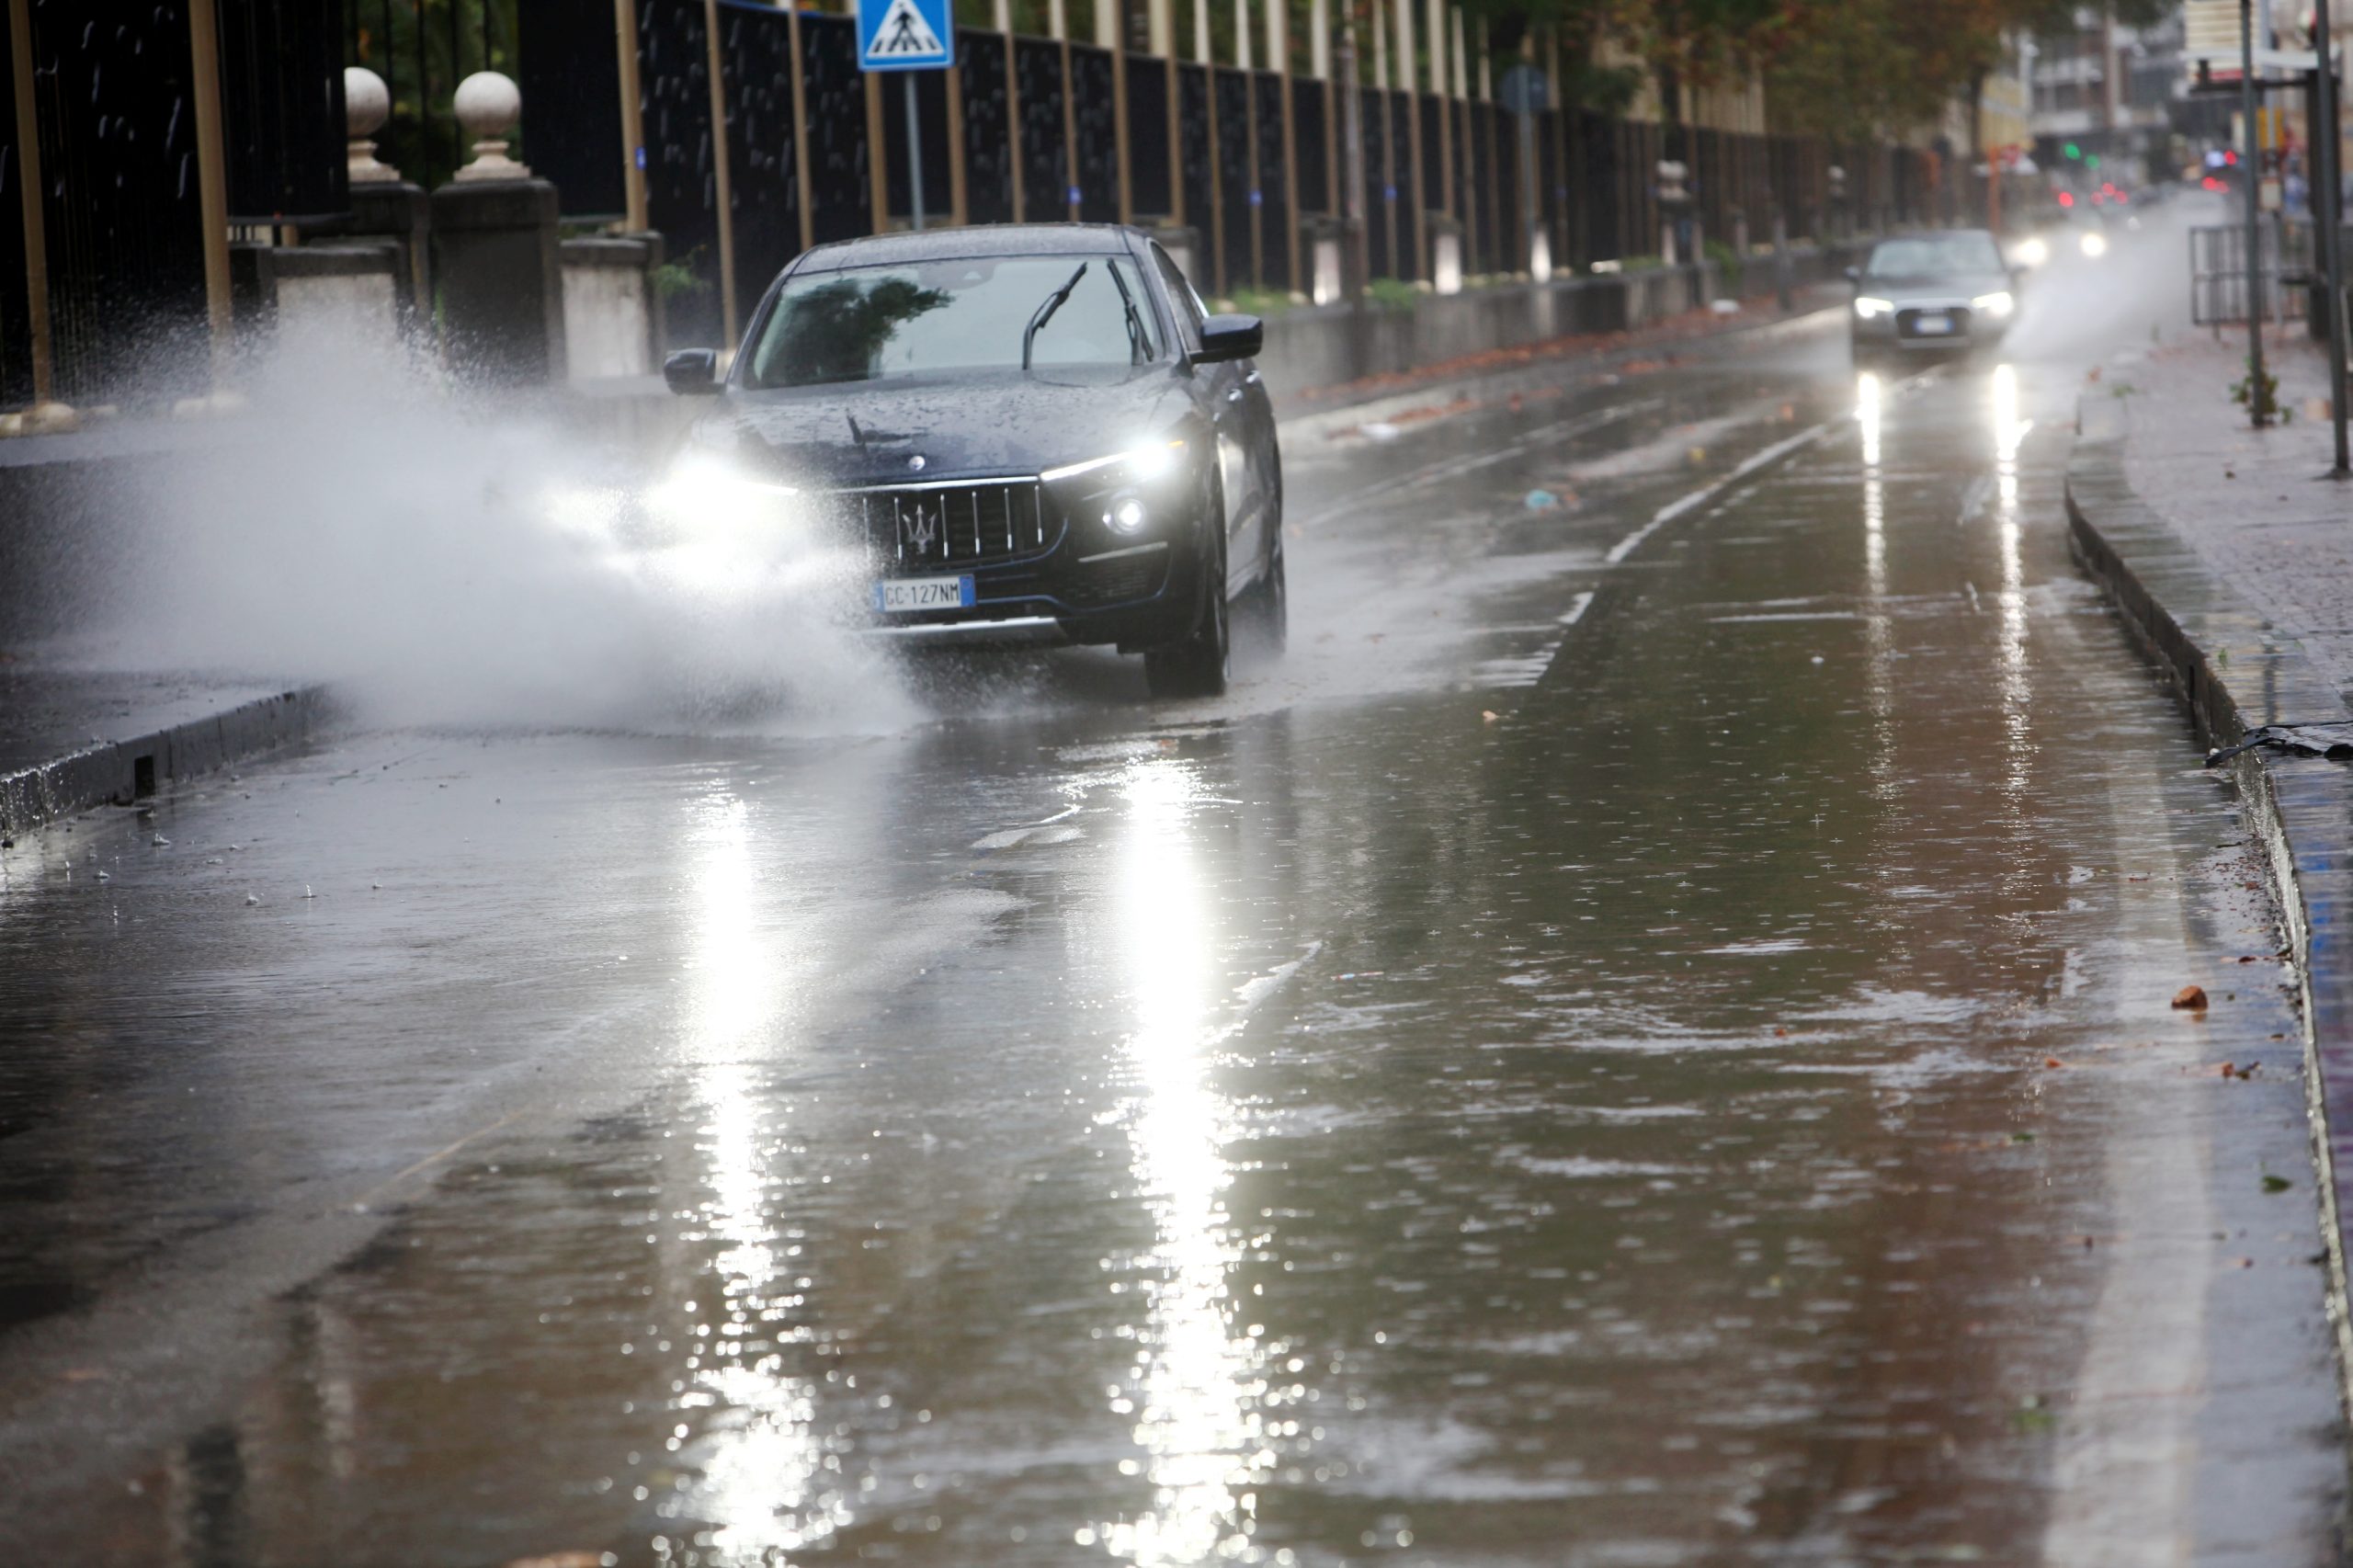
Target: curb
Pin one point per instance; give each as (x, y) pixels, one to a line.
(2235, 671)
(126, 770)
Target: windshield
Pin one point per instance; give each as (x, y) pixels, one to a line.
(1935, 256)
(966, 314)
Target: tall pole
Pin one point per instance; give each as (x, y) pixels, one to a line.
(2332, 238)
(29, 189)
(915, 155)
(1352, 234)
(633, 117)
(2259, 400)
(213, 172)
(718, 167)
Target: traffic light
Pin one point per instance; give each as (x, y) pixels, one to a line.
(2092, 161)
(2073, 150)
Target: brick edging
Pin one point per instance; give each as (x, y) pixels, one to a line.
(124, 771)
(2233, 671)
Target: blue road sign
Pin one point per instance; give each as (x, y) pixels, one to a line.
(905, 35)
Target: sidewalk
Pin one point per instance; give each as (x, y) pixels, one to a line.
(74, 739)
(2232, 560)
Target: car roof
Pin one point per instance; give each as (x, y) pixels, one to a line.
(983, 239)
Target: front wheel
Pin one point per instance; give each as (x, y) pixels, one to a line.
(1196, 663)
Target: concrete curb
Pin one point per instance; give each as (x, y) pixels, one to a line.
(129, 769)
(2235, 672)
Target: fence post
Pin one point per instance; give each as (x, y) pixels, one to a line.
(1013, 110)
(213, 172)
(729, 321)
(1162, 20)
(1279, 49)
(1107, 29)
(633, 112)
(1208, 57)
(1058, 22)
(1256, 196)
(29, 189)
(808, 203)
(1408, 77)
(958, 196)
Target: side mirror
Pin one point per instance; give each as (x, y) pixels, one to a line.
(1231, 337)
(692, 372)
(1854, 275)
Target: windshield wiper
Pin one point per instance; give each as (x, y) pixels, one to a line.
(1046, 312)
(1137, 353)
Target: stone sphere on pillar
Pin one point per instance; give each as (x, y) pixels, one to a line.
(366, 102)
(488, 105)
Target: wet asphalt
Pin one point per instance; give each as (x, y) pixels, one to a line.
(1646, 1038)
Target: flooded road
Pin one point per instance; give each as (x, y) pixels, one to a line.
(1645, 1039)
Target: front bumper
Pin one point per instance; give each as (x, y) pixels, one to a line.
(1901, 329)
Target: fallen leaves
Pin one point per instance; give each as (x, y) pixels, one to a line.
(2190, 999)
(2233, 1070)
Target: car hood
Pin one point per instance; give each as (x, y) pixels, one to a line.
(1953, 286)
(995, 423)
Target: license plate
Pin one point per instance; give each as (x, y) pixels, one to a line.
(897, 595)
(1931, 327)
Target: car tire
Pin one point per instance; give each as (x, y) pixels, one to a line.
(1268, 622)
(1196, 665)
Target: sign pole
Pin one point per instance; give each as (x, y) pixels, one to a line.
(2332, 238)
(2259, 400)
(915, 153)
(29, 189)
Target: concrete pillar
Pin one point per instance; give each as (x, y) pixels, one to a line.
(499, 267)
(382, 201)
(1241, 34)
(1202, 32)
(1106, 24)
(1277, 36)
(1160, 20)
(1058, 19)
(1437, 29)
(1319, 41)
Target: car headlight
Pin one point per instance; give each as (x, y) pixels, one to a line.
(1867, 307)
(2032, 251)
(707, 491)
(2095, 242)
(2000, 303)
(1140, 464)
(1127, 515)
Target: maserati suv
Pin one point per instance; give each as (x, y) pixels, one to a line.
(1009, 434)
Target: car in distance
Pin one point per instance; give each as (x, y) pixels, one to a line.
(1931, 292)
(1014, 433)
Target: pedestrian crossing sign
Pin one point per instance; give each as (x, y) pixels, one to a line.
(905, 35)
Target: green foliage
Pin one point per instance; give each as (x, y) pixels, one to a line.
(1264, 302)
(1392, 293)
(2259, 395)
(677, 280)
(1728, 262)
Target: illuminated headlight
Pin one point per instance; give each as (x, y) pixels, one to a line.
(2095, 244)
(1138, 464)
(1997, 303)
(2033, 252)
(706, 491)
(1127, 516)
(1867, 307)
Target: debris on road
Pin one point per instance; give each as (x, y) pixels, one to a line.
(2190, 999)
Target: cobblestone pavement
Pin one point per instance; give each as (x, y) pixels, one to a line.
(2256, 504)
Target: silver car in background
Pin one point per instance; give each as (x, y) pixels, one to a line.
(1937, 293)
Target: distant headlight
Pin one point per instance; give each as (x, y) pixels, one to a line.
(1141, 464)
(1997, 303)
(2095, 242)
(1867, 307)
(2032, 251)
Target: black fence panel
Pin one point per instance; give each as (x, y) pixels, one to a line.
(1425, 105)
(1316, 176)
(121, 205)
(1193, 132)
(681, 179)
(1045, 163)
(930, 88)
(1601, 237)
(1274, 201)
(1234, 174)
(841, 189)
(1380, 192)
(282, 121)
(1402, 108)
(570, 79)
(1095, 113)
(1510, 232)
(756, 67)
(1150, 195)
(15, 311)
(988, 127)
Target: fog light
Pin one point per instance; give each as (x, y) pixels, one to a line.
(1127, 517)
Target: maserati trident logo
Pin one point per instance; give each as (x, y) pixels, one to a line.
(915, 463)
(919, 527)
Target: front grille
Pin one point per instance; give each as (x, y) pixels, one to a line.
(1907, 322)
(963, 525)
